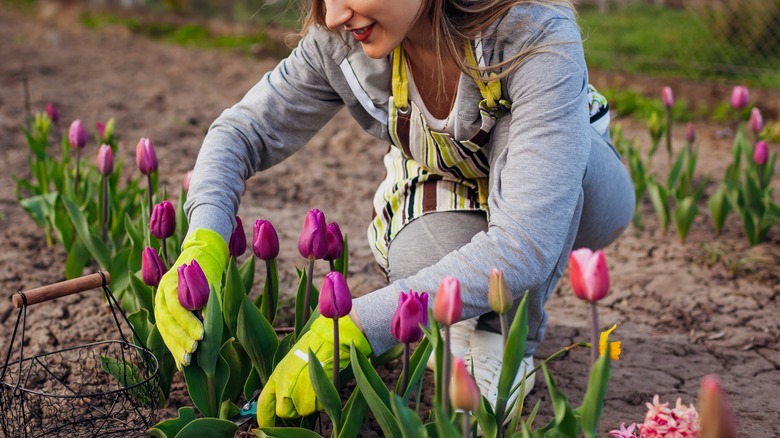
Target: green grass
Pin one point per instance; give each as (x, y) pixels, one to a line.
(668, 42)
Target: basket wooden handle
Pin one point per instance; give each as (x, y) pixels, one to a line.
(61, 289)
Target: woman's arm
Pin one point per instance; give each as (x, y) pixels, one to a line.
(537, 164)
(273, 120)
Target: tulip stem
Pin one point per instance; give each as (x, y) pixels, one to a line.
(594, 335)
(165, 252)
(445, 381)
(669, 136)
(332, 265)
(466, 425)
(270, 292)
(104, 209)
(149, 183)
(504, 318)
(405, 368)
(336, 362)
(78, 167)
(307, 296)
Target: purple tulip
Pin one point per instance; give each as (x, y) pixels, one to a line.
(51, 110)
(313, 243)
(237, 244)
(145, 157)
(667, 97)
(77, 136)
(760, 153)
(105, 160)
(265, 241)
(187, 178)
(101, 129)
(412, 311)
(162, 224)
(335, 242)
(740, 97)
(690, 133)
(335, 299)
(152, 267)
(756, 121)
(193, 286)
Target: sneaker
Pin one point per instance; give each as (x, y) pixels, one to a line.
(485, 355)
(460, 338)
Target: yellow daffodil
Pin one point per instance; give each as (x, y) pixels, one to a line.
(614, 347)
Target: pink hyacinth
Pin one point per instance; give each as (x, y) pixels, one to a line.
(624, 432)
(661, 421)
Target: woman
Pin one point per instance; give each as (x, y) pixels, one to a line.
(501, 158)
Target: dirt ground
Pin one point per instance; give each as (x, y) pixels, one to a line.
(683, 311)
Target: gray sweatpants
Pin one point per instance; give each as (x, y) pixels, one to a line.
(603, 212)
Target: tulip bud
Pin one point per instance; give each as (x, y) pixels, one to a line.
(77, 136)
(145, 157)
(313, 242)
(265, 241)
(412, 312)
(464, 392)
(667, 97)
(690, 133)
(655, 127)
(101, 129)
(187, 178)
(756, 121)
(335, 242)
(335, 299)
(51, 110)
(716, 416)
(152, 267)
(740, 97)
(499, 296)
(105, 160)
(447, 306)
(760, 153)
(589, 274)
(193, 286)
(237, 244)
(162, 224)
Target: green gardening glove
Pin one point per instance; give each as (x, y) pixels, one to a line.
(288, 393)
(181, 329)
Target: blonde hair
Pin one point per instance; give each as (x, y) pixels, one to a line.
(455, 21)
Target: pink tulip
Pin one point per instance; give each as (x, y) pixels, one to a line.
(412, 312)
(335, 242)
(101, 129)
(313, 243)
(690, 133)
(464, 392)
(499, 295)
(448, 306)
(667, 97)
(145, 156)
(589, 274)
(237, 244)
(77, 136)
(335, 300)
(716, 416)
(756, 121)
(187, 178)
(152, 267)
(740, 97)
(162, 223)
(760, 153)
(265, 241)
(105, 160)
(51, 110)
(193, 286)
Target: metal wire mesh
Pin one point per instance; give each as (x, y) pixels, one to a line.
(108, 388)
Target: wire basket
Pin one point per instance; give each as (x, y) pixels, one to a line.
(108, 388)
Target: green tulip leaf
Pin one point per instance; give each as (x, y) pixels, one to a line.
(129, 376)
(233, 294)
(240, 366)
(660, 201)
(247, 272)
(565, 421)
(206, 391)
(208, 428)
(285, 432)
(323, 387)
(375, 392)
(513, 357)
(408, 420)
(165, 362)
(593, 403)
(342, 263)
(139, 321)
(95, 246)
(144, 295)
(486, 419)
(353, 414)
(208, 350)
(299, 302)
(228, 410)
(257, 337)
(78, 258)
(444, 426)
(170, 428)
(252, 384)
(417, 365)
(270, 297)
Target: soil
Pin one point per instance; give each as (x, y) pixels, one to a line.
(683, 310)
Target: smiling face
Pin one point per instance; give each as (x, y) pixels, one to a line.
(379, 25)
